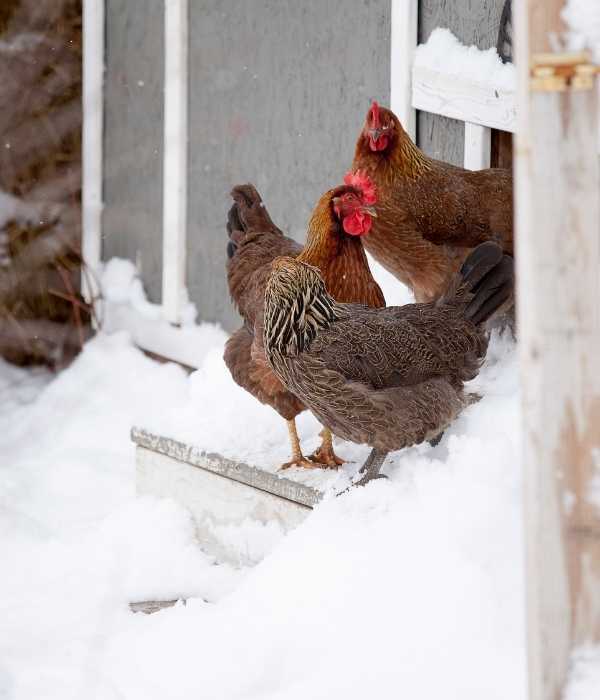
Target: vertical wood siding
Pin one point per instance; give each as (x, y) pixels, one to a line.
(278, 91)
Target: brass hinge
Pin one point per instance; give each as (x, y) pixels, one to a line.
(558, 72)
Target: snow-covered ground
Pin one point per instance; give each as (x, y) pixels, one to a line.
(409, 588)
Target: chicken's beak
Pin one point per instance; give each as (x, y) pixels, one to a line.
(375, 134)
(370, 210)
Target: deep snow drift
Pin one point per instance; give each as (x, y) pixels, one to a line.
(407, 588)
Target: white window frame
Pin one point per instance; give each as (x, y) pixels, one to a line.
(92, 144)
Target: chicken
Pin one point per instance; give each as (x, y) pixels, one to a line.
(333, 244)
(430, 213)
(389, 377)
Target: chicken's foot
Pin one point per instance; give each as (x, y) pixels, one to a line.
(325, 454)
(298, 459)
(370, 469)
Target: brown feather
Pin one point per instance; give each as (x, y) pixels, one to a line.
(431, 214)
(257, 243)
(386, 377)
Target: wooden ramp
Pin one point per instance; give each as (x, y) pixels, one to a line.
(218, 492)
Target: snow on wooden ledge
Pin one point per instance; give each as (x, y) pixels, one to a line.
(463, 82)
(464, 99)
(223, 496)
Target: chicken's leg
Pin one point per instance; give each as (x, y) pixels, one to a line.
(370, 469)
(298, 459)
(325, 454)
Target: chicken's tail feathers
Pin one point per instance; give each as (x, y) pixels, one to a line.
(484, 283)
(493, 291)
(250, 212)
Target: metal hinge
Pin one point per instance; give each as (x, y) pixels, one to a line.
(558, 72)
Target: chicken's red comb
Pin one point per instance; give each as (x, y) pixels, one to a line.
(362, 182)
(375, 114)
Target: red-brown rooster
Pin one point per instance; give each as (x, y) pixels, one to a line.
(430, 214)
(340, 219)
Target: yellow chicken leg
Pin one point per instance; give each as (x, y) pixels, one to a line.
(298, 459)
(324, 454)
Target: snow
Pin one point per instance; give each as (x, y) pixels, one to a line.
(584, 677)
(444, 53)
(410, 586)
(126, 307)
(583, 20)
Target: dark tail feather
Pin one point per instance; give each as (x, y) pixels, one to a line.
(492, 291)
(233, 220)
(235, 230)
(484, 282)
(478, 263)
(252, 213)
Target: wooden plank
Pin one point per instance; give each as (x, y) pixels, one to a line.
(174, 295)
(453, 96)
(558, 257)
(502, 149)
(224, 508)
(404, 26)
(91, 150)
(151, 606)
(478, 146)
(234, 470)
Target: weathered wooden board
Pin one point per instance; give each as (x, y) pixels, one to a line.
(151, 606)
(278, 93)
(455, 97)
(219, 493)
(558, 258)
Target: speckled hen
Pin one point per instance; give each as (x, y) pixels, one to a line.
(342, 216)
(389, 377)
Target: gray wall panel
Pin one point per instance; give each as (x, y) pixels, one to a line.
(133, 136)
(473, 22)
(278, 91)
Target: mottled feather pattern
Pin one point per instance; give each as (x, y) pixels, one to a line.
(387, 377)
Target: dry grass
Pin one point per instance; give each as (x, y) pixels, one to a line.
(43, 317)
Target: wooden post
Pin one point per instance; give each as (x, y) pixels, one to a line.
(175, 146)
(478, 146)
(403, 45)
(558, 270)
(91, 147)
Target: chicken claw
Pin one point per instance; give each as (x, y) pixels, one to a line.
(301, 462)
(324, 454)
(298, 459)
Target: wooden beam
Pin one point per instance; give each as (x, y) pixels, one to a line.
(91, 147)
(478, 146)
(460, 98)
(558, 309)
(403, 44)
(175, 146)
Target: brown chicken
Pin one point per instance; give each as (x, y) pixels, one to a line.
(333, 244)
(430, 213)
(389, 377)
